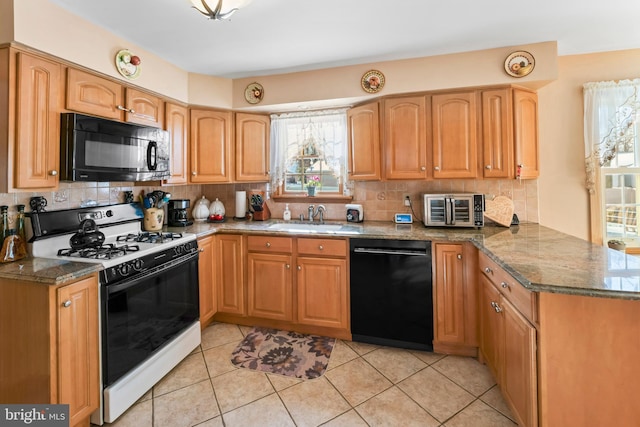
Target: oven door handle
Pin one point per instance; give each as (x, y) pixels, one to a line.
(135, 280)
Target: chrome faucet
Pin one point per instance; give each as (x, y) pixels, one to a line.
(311, 213)
(319, 212)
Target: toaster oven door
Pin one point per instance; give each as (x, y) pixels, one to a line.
(461, 211)
(435, 211)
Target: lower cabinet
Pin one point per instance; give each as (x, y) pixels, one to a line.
(508, 342)
(455, 299)
(206, 281)
(53, 352)
(295, 283)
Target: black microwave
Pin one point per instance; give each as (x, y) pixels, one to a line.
(96, 149)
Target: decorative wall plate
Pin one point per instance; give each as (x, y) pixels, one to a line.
(128, 64)
(519, 63)
(372, 81)
(254, 93)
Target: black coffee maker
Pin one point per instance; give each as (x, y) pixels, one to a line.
(178, 212)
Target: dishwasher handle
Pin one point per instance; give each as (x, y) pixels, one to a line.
(376, 251)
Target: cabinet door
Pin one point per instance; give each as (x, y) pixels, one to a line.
(497, 133)
(210, 144)
(322, 292)
(269, 286)
(230, 274)
(37, 141)
(449, 294)
(78, 372)
(144, 108)
(405, 138)
(252, 147)
(519, 366)
(490, 327)
(364, 142)
(90, 94)
(206, 280)
(454, 135)
(177, 123)
(525, 125)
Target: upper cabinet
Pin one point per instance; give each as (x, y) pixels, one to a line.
(91, 94)
(210, 146)
(252, 147)
(363, 124)
(405, 138)
(455, 140)
(510, 133)
(177, 123)
(29, 121)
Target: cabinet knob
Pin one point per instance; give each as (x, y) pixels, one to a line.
(66, 304)
(504, 285)
(194, 173)
(53, 172)
(320, 247)
(423, 168)
(497, 308)
(488, 167)
(437, 168)
(299, 268)
(268, 244)
(287, 266)
(488, 270)
(520, 165)
(459, 256)
(201, 249)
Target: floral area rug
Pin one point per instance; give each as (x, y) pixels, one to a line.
(282, 352)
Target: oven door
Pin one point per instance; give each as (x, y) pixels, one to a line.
(461, 211)
(146, 312)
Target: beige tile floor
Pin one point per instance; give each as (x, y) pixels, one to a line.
(365, 385)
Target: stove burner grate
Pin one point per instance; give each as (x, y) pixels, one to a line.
(149, 237)
(106, 251)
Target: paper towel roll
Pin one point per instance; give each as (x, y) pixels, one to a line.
(241, 204)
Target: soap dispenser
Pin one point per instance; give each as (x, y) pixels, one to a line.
(286, 215)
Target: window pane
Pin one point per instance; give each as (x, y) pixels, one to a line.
(621, 199)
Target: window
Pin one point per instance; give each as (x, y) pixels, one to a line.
(613, 159)
(309, 148)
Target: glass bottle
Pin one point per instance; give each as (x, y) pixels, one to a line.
(5, 221)
(21, 232)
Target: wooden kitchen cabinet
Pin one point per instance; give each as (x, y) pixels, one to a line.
(229, 270)
(456, 299)
(363, 124)
(405, 138)
(210, 146)
(53, 352)
(29, 121)
(270, 277)
(455, 135)
(177, 124)
(252, 138)
(206, 280)
(91, 94)
(525, 129)
(508, 341)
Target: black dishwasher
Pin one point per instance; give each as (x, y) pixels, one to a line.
(391, 293)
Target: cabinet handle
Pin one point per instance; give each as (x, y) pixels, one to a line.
(488, 270)
(459, 256)
(504, 285)
(497, 308)
(423, 168)
(521, 165)
(437, 168)
(128, 110)
(488, 167)
(299, 268)
(194, 173)
(287, 266)
(53, 172)
(268, 244)
(201, 249)
(66, 304)
(320, 247)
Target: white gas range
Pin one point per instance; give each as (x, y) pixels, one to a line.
(149, 307)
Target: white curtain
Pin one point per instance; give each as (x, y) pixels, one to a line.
(610, 109)
(291, 132)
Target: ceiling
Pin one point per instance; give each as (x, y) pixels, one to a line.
(279, 36)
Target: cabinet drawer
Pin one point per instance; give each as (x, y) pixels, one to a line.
(327, 247)
(270, 244)
(523, 299)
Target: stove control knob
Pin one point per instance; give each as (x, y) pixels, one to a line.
(109, 213)
(137, 264)
(124, 269)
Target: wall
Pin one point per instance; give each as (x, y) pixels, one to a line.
(563, 198)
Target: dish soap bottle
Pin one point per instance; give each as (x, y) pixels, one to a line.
(286, 215)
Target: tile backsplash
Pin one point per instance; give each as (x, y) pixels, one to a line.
(381, 200)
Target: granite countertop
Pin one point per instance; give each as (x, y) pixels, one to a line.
(47, 271)
(538, 257)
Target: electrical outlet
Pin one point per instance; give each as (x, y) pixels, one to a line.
(407, 199)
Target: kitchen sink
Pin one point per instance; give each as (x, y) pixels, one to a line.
(306, 227)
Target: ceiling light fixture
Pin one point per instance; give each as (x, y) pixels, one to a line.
(223, 9)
